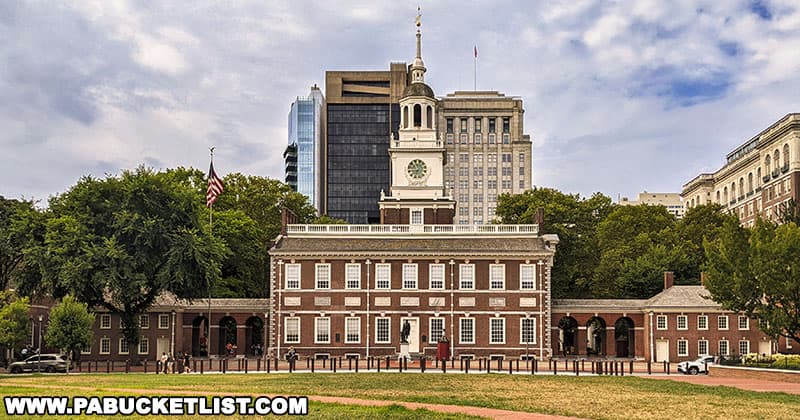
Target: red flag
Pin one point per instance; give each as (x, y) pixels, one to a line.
(215, 186)
(476, 51)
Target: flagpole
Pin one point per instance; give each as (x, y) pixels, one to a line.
(475, 70)
(211, 234)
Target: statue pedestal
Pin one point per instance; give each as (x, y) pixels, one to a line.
(404, 351)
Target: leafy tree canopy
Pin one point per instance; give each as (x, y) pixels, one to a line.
(70, 326)
(14, 320)
(21, 232)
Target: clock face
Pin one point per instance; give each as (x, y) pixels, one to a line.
(417, 169)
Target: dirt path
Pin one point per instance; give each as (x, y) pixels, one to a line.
(442, 408)
(759, 385)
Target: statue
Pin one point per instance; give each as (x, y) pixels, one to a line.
(405, 332)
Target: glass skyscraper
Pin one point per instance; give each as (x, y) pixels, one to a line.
(303, 155)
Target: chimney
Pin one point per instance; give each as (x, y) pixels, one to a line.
(540, 217)
(669, 279)
(703, 278)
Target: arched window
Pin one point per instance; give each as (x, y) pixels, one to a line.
(733, 191)
(767, 165)
(725, 195)
(405, 116)
(758, 177)
(717, 196)
(741, 185)
(776, 157)
(417, 115)
(750, 182)
(785, 157)
(429, 116)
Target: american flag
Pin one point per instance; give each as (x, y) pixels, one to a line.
(215, 186)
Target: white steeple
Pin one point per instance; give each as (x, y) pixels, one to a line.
(418, 68)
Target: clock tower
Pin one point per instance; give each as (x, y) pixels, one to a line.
(417, 156)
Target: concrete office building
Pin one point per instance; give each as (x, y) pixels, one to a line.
(672, 201)
(303, 155)
(760, 177)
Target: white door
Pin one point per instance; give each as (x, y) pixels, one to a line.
(765, 348)
(662, 350)
(162, 346)
(413, 336)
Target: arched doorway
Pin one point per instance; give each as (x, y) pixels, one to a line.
(199, 336)
(254, 336)
(567, 335)
(227, 335)
(596, 336)
(624, 337)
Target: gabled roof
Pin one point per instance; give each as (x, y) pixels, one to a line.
(383, 245)
(682, 297)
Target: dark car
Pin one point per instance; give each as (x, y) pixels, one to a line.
(46, 362)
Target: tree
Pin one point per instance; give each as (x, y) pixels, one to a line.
(120, 242)
(757, 272)
(698, 224)
(574, 219)
(70, 327)
(636, 245)
(14, 321)
(21, 231)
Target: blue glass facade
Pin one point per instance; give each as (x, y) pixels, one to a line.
(304, 152)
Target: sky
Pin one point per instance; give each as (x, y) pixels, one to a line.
(620, 96)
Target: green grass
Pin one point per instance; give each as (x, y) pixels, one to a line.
(588, 397)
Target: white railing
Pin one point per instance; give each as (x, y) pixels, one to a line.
(411, 229)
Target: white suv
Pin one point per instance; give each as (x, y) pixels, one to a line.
(696, 366)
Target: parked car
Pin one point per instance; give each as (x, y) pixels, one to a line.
(46, 362)
(697, 366)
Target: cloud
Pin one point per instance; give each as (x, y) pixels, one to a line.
(619, 97)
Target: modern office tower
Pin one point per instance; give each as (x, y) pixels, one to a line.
(362, 112)
(760, 177)
(487, 152)
(672, 201)
(303, 155)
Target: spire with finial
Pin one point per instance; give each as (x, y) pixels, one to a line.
(418, 68)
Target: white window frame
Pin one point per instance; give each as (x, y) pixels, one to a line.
(659, 319)
(410, 276)
(144, 342)
(745, 343)
(700, 344)
(499, 282)
(522, 330)
(352, 276)
(416, 212)
(527, 282)
(683, 348)
(705, 321)
(105, 321)
(682, 323)
(438, 279)
(161, 324)
(287, 325)
(746, 325)
(378, 321)
(349, 323)
(720, 323)
(144, 321)
(87, 350)
(432, 339)
(471, 322)
(379, 268)
(493, 322)
(123, 348)
(322, 274)
(727, 347)
(318, 322)
(462, 269)
(292, 275)
(107, 341)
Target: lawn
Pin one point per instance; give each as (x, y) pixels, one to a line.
(588, 397)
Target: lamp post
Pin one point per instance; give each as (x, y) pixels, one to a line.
(172, 340)
(39, 350)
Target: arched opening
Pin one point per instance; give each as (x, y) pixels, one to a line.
(776, 156)
(767, 165)
(405, 116)
(750, 182)
(733, 191)
(624, 337)
(741, 185)
(417, 115)
(725, 195)
(758, 177)
(596, 336)
(718, 197)
(429, 117)
(785, 157)
(200, 336)
(567, 335)
(254, 336)
(227, 336)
